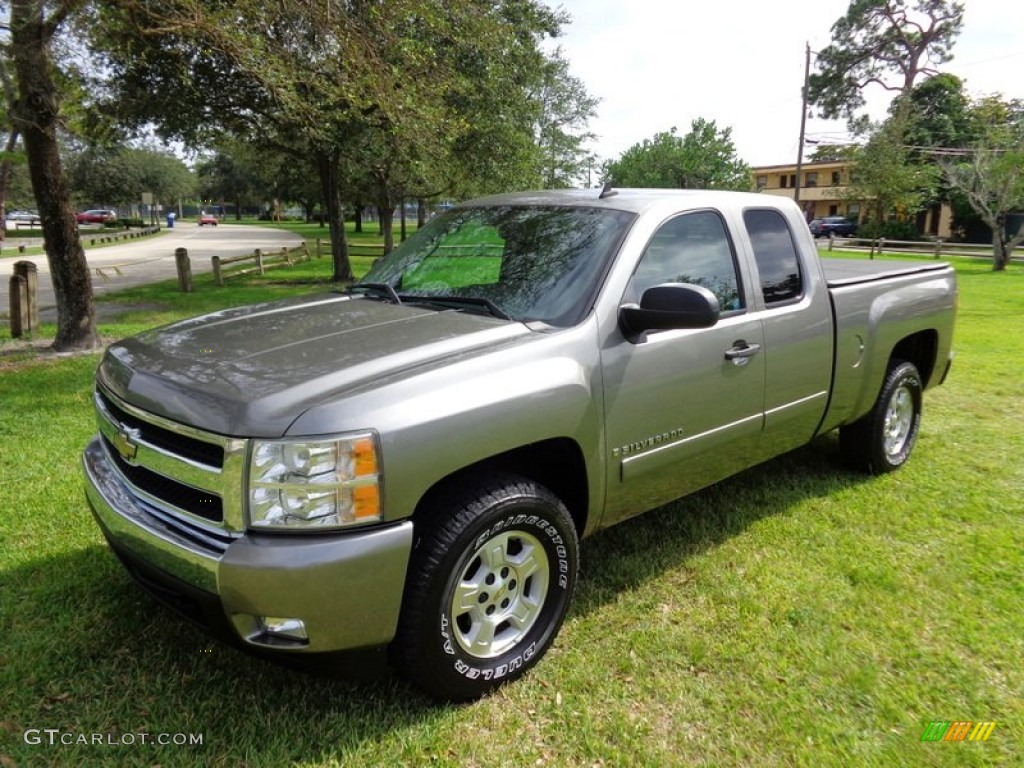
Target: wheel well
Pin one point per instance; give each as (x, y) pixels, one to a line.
(919, 349)
(557, 464)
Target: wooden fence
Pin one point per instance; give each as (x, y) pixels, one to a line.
(261, 261)
(370, 250)
(935, 248)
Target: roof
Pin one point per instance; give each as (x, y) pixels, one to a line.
(633, 200)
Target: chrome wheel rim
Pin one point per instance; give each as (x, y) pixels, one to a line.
(500, 594)
(899, 418)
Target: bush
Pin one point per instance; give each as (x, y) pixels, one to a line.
(890, 230)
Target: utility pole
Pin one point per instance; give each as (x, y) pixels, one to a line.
(803, 124)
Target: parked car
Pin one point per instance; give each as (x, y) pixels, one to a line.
(29, 216)
(833, 225)
(411, 462)
(207, 218)
(98, 216)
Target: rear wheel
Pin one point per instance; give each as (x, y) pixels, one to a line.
(490, 581)
(882, 440)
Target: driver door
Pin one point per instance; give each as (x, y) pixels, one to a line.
(683, 408)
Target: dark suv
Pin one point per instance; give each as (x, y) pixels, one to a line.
(833, 225)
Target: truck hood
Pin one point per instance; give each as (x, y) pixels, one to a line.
(252, 371)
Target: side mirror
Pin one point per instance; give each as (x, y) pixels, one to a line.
(667, 307)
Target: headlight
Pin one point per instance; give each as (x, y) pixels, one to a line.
(300, 484)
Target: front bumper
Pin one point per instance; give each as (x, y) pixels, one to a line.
(346, 588)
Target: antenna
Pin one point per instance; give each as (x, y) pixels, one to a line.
(607, 191)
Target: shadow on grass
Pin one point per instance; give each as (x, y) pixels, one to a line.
(641, 549)
(92, 653)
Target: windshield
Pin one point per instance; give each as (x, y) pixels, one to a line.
(528, 263)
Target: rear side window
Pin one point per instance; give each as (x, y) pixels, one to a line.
(775, 254)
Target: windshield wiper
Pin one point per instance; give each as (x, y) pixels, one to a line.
(383, 290)
(466, 302)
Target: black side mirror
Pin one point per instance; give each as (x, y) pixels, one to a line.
(667, 307)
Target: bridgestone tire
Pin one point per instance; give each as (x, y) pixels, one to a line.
(491, 577)
(882, 440)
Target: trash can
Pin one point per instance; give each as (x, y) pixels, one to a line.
(170, 220)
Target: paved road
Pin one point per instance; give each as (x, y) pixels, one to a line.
(145, 261)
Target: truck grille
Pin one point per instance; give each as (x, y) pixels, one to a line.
(172, 442)
(189, 479)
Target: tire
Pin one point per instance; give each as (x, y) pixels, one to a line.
(883, 439)
(489, 584)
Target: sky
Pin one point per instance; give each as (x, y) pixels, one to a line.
(656, 64)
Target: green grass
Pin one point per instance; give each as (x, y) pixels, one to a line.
(794, 615)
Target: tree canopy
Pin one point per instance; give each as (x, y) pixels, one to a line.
(705, 158)
(889, 43)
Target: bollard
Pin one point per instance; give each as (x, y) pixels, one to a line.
(19, 306)
(218, 278)
(831, 239)
(184, 266)
(259, 261)
(30, 273)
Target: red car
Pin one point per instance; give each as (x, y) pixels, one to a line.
(206, 218)
(96, 217)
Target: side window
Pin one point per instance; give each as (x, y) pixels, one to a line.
(692, 248)
(775, 254)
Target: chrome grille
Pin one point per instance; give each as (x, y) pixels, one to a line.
(188, 479)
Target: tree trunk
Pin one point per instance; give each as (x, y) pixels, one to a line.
(37, 115)
(1000, 253)
(359, 218)
(5, 178)
(421, 212)
(327, 165)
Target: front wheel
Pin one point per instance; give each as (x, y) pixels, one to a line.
(489, 584)
(882, 440)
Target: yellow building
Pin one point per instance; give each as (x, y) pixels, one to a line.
(825, 191)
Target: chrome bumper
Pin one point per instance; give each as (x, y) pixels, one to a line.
(346, 588)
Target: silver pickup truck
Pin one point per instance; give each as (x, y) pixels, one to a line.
(410, 463)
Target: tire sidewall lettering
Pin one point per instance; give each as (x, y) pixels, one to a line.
(501, 666)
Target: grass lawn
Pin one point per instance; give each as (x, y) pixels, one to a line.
(797, 614)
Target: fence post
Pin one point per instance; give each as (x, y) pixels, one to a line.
(938, 247)
(30, 273)
(831, 239)
(184, 265)
(259, 261)
(881, 245)
(305, 247)
(19, 306)
(218, 278)
(318, 254)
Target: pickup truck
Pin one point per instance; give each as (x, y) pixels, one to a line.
(409, 463)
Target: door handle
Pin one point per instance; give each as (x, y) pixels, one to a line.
(740, 350)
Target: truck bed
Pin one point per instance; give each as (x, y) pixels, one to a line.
(843, 272)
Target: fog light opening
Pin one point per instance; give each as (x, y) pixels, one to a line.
(278, 631)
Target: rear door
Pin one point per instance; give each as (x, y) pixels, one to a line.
(683, 408)
(797, 319)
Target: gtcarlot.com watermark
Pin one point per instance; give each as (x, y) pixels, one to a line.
(52, 737)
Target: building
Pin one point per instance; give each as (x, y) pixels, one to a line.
(825, 191)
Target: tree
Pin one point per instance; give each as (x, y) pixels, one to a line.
(703, 159)
(120, 175)
(889, 179)
(37, 114)
(560, 133)
(991, 175)
(889, 43)
(316, 78)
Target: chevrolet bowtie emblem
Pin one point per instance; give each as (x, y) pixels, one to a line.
(126, 443)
